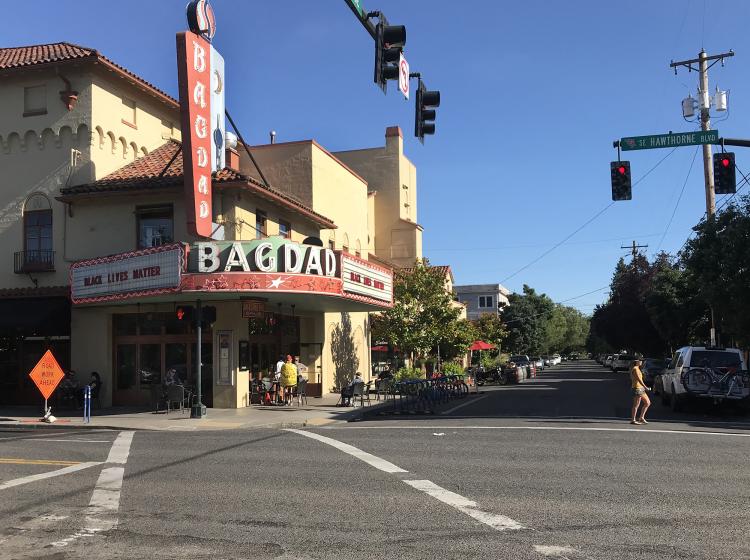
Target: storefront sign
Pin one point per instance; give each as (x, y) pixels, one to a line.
(274, 254)
(139, 273)
(201, 84)
(364, 278)
(253, 309)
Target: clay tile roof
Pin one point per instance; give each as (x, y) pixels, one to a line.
(162, 168)
(22, 57)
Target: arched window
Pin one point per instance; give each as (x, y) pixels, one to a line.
(37, 234)
(345, 243)
(358, 248)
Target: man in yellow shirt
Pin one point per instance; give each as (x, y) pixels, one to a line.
(640, 398)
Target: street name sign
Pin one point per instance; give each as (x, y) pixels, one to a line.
(47, 374)
(670, 140)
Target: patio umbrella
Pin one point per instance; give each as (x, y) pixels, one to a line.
(379, 348)
(480, 345)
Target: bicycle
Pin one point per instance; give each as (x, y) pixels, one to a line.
(713, 382)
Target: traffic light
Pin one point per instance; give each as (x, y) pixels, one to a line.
(184, 313)
(621, 188)
(424, 113)
(389, 44)
(725, 181)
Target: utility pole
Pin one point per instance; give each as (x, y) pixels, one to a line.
(634, 248)
(705, 107)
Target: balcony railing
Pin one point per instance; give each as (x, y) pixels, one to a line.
(33, 261)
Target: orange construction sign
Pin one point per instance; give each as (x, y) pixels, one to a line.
(47, 374)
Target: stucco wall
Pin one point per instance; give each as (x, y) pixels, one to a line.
(355, 328)
(397, 237)
(117, 143)
(91, 346)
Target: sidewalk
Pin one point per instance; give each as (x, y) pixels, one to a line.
(317, 412)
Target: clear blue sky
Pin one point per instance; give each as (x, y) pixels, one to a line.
(533, 93)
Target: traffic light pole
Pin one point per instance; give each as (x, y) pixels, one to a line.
(703, 66)
(198, 410)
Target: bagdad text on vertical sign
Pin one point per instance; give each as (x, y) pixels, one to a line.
(201, 83)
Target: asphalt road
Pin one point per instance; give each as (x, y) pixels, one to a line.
(546, 469)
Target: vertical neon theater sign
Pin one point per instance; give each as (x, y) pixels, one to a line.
(201, 82)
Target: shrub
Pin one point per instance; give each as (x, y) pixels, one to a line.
(406, 373)
(452, 368)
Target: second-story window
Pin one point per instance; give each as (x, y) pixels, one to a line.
(485, 301)
(155, 226)
(34, 101)
(285, 229)
(261, 221)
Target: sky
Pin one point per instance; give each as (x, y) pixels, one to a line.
(532, 95)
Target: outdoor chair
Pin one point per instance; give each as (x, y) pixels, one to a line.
(360, 391)
(385, 389)
(176, 394)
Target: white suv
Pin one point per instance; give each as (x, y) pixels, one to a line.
(718, 384)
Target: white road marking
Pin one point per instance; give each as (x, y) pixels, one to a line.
(50, 474)
(542, 428)
(467, 403)
(120, 448)
(552, 551)
(77, 440)
(464, 505)
(371, 460)
(101, 513)
(19, 540)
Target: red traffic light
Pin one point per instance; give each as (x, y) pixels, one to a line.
(180, 313)
(725, 162)
(621, 170)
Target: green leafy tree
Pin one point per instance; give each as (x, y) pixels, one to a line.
(716, 264)
(490, 328)
(526, 319)
(422, 315)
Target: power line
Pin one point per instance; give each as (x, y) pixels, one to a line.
(587, 222)
(679, 198)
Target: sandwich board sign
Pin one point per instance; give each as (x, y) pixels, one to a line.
(47, 375)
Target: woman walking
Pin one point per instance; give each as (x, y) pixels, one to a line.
(640, 398)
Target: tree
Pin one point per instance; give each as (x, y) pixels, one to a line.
(422, 315)
(490, 328)
(676, 313)
(623, 322)
(525, 318)
(716, 264)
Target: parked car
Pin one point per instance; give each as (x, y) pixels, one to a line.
(556, 358)
(650, 368)
(538, 362)
(608, 360)
(704, 372)
(547, 361)
(622, 362)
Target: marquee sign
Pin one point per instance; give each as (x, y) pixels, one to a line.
(148, 272)
(200, 70)
(273, 254)
(276, 264)
(364, 278)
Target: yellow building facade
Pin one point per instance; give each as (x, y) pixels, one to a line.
(94, 213)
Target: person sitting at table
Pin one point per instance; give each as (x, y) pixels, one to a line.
(171, 378)
(348, 391)
(288, 379)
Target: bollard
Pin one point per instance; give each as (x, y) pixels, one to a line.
(87, 404)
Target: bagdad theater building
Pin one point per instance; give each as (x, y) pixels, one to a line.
(124, 208)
